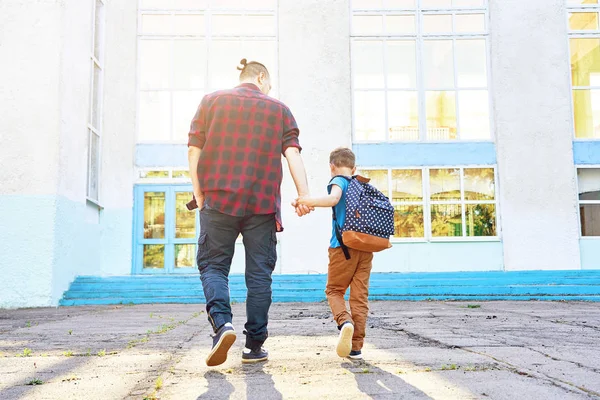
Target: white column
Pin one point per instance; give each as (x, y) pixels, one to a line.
(314, 80)
(533, 126)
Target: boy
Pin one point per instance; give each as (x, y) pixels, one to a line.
(342, 273)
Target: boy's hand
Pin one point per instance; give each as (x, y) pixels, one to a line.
(302, 208)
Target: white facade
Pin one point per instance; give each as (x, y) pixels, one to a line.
(51, 232)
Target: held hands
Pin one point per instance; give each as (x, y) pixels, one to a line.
(303, 205)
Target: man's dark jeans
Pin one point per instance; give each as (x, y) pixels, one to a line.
(216, 245)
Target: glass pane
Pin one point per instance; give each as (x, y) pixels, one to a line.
(436, 3)
(224, 58)
(181, 174)
(368, 64)
(389, 4)
(474, 115)
(585, 62)
(583, 21)
(441, 115)
(94, 167)
(589, 183)
(155, 116)
(409, 221)
(446, 220)
(228, 24)
(96, 97)
(185, 256)
(155, 63)
(467, 23)
(379, 179)
(401, 68)
(586, 105)
(481, 219)
(437, 23)
(444, 184)
(156, 24)
(590, 219)
(407, 185)
(189, 25)
(367, 25)
(245, 4)
(99, 30)
(400, 24)
(369, 115)
(579, 2)
(468, 3)
(185, 220)
(154, 174)
(403, 116)
(185, 105)
(471, 63)
(154, 256)
(479, 184)
(367, 4)
(263, 51)
(189, 64)
(438, 60)
(385, 4)
(260, 25)
(175, 4)
(154, 215)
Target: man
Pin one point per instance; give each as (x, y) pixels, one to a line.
(235, 145)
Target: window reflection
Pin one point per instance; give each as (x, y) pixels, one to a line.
(154, 215)
(441, 115)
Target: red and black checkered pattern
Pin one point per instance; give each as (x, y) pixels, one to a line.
(242, 133)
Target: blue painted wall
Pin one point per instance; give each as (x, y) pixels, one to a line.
(394, 154)
(586, 152)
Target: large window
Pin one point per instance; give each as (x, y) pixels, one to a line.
(589, 201)
(420, 70)
(443, 203)
(584, 39)
(188, 48)
(94, 130)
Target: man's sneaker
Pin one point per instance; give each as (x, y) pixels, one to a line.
(355, 355)
(254, 356)
(345, 339)
(222, 341)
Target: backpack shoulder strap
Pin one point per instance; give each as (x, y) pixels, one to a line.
(338, 228)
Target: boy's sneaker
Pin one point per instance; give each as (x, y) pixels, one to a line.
(254, 356)
(344, 345)
(355, 355)
(222, 341)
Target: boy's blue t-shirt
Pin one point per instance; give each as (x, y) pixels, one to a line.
(340, 208)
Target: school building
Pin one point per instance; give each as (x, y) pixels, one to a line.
(479, 118)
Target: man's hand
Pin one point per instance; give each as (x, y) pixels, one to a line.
(302, 206)
(199, 197)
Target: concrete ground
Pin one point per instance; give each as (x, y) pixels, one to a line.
(426, 350)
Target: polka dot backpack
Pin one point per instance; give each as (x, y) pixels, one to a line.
(369, 218)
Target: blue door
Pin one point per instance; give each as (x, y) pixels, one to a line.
(165, 231)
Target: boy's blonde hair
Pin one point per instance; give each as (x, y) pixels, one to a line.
(342, 157)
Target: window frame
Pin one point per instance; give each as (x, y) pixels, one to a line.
(427, 203)
(579, 34)
(580, 202)
(207, 11)
(94, 128)
(419, 38)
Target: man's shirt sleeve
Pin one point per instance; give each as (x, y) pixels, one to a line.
(197, 135)
(290, 131)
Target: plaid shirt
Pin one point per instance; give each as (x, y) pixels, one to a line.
(242, 133)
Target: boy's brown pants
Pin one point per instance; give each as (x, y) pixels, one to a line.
(353, 273)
